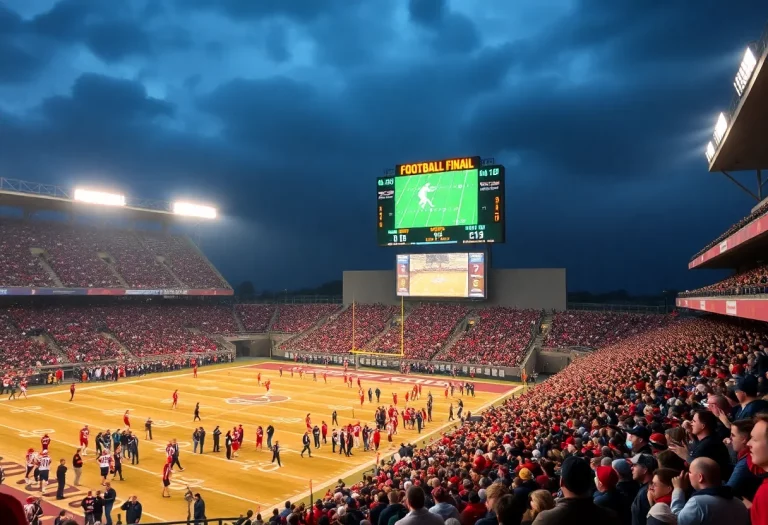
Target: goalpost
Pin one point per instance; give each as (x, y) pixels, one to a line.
(360, 351)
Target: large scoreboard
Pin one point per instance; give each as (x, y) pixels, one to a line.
(451, 201)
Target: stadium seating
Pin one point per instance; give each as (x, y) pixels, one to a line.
(499, 337)
(427, 328)
(733, 229)
(80, 256)
(20, 351)
(18, 267)
(77, 331)
(295, 318)
(185, 261)
(749, 282)
(335, 336)
(598, 329)
(255, 317)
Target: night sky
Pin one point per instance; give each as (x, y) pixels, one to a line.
(283, 113)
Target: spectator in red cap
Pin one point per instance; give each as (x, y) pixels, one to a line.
(658, 442)
(606, 495)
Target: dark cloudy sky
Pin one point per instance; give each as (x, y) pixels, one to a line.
(282, 112)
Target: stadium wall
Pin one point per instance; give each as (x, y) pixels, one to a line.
(534, 288)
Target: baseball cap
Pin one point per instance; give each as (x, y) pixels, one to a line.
(658, 441)
(607, 476)
(525, 474)
(748, 385)
(645, 460)
(622, 468)
(641, 432)
(576, 475)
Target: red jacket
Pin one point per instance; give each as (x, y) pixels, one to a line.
(473, 512)
(759, 510)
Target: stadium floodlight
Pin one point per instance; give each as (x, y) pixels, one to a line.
(99, 197)
(748, 64)
(194, 210)
(710, 151)
(720, 128)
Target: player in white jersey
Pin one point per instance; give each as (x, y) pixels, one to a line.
(43, 467)
(104, 461)
(423, 199)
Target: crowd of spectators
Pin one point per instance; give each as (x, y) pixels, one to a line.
(255, 317)
(81, 256)
(18, 267)
(598, 329)
(759, 212)
(295, 318)
(17, 350)
(85, 333)
(663, 427)
(185, 260)
(427, 328)
(336, 335)
(76, 330)
(499, 337)
(747, 282)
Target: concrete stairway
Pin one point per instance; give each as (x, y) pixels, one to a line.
(195, 247)
(40, 255)
(275, 317)
(160, 259)
(108, 260)
(53, 346)
(296, 337)
(458, 333)
(238, 321)
(123, 349)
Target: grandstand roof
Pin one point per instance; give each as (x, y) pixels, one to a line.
(36, 196)
(743, 145)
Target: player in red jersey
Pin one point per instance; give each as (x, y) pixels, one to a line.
(268, 384)
(84, 433)
(301, 373)
(394, 398)
(126, 420)
(359, 384)
(407, 396)
(167, 473)
(175, 399)
(44, 442)
(169, 450)
(31, 459)
(324, 430)
(281, 370)
(325, 377)
(23, 386)
(308, 422)
(71, 391)
(258, 379)
(235, 442)
(362, 396)
(446, 392)
(260, 437)
(194, 371)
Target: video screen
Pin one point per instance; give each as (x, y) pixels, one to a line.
(460, 275)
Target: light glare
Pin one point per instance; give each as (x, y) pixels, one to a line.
(99, 197)
(720, 128)
(747, 67)
(710, 151)
(194, 210)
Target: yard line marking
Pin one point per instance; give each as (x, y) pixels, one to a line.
(463, 187)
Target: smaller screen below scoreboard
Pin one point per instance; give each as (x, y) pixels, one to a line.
(441, 275)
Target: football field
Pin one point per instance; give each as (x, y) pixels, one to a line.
(229, 395)
(452, 199)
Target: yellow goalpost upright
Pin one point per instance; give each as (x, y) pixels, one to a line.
(359, 351)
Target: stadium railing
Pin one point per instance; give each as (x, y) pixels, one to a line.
(730, 292)
(629, 308)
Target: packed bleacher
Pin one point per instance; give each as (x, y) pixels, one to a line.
(499, 337)
(295, 318)
(255, 317)
(19, 350)
(87, 257)
(604, 441)
(748, 282)
(598, 329)
(427, 328)
(335, 336)
(759, 212)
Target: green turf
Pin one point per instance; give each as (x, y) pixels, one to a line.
(454, 199)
